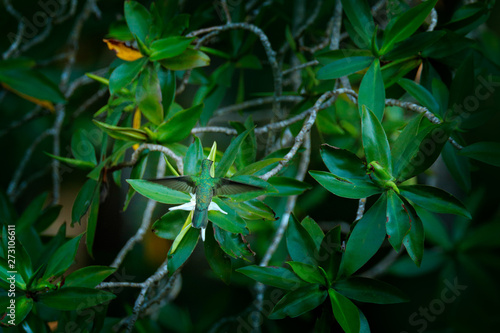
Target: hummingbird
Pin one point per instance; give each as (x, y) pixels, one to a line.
(205, 187)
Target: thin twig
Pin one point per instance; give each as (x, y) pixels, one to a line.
(20, 30)
(226, 11)
(37, 112)
(12, 188)
(34, 176)
(39, 38)
(290, 204)
(146, 222)
(151, 147)
(111, 285)
(257, 102)
(305, 128)
(301, 66)
(382, 265)
(337, 24)
(420, 109)
(361, 209)
(82, 108)
(160, 273)
(271, 54)
(434, 20)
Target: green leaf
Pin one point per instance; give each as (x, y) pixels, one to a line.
(33, 84)
(370, 290)
(343, 67)
(138, 19)
(123, 133)
(406, 24)
(23, 261)
(487, 152)
(482, 237)
(372, 91)
(229, 156)
(398, 222)
(400, 147)
(170, 224)
(169, 47)
(168, 89)
(31, 213)
(233, 244)
(253, 209)
(180, 125)
(92, 222)
(125, 74)
(256, 168)
(158, 192)
(343, 187)
(327, 57)
(414, 45)
(375, 140)
(88, 277)
(82, 148)
(189, 59)
(422, 151)
(248, 152)
(137, 172)
(395, 70)
(434, 199)
(193, 158)
(308, 273)
(299, 243)
(62, 259)
(278, 277)
(366, 238)
(4, 275)
(460, 92)
(23, 306)
(314, 231)
(217, 259)
(74, 298)
(231, 221)
(183, 250)
(346, 313)
(83, 200)
(330, 253)
(249, 61)
(435, 231)
(458, 166)
(414, 240)
(148, 95)
(288, 186)
(343, 163)
(299, 301)
(450, 44)
(360, 16)
(422, 95)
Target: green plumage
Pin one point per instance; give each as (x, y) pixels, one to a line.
(205, 187)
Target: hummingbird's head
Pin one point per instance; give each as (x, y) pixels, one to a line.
(206, 164)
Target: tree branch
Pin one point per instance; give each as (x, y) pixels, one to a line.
(146, 221)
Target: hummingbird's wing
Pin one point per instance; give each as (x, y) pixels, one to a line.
(182, 183)
(227, 187)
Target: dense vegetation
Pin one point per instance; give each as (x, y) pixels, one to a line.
(360, 139)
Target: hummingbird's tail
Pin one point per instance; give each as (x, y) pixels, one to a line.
(200, 218)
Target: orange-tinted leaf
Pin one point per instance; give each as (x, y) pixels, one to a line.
(123, 51)
(46, 104)
(136, 123)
